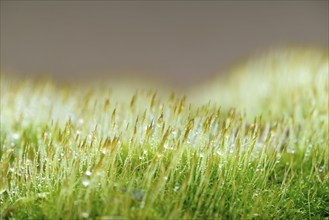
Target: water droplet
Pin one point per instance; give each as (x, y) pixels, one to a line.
(88, 173)
(81, 121)
(256, 193)
(177, 187)
(85, 183)
(15, 136)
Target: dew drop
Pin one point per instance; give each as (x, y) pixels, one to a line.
(88, 173)
(177, 187)
(86, 183)
(15, 136)
(81, 121)
(256, 193)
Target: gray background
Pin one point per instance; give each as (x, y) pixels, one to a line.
(180, 42)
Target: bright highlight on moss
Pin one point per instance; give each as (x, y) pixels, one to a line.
(253, 147)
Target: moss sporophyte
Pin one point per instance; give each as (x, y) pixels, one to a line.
(253, 145)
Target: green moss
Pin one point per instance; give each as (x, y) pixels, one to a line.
(238, 152)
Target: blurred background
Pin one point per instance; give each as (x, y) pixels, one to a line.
(177, 42)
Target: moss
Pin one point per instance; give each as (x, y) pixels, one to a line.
(84, 152)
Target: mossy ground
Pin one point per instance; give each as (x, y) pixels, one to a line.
(253, 147)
